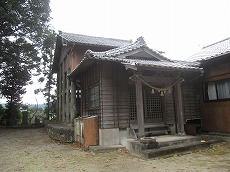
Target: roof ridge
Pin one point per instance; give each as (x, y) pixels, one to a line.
(215, 43)
(137, 44)
(76, 34)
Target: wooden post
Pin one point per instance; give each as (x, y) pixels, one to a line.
(63, 93)
(59, 95)
(67, 101)
(140, 111)
(180, 113)
(73, 108)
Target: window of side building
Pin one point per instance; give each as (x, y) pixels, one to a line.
(217, 90)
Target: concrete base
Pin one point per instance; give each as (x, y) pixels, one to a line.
(99, 149)
(114, 136)
(167, 144)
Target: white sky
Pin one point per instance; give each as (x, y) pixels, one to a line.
(177, 27)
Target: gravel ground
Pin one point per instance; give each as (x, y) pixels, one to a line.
(32, 150)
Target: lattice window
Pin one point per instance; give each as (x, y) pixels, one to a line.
(94, 96)
(191, 101)
(154, 106)
(133, 107)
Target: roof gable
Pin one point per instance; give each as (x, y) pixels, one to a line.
(127, 55)
(137, 50)
(212, 51)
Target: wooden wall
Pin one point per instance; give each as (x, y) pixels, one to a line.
(114, 110)
(114, 99)
(216, 114)
(89, 78)
(114, 96)
(69, 59)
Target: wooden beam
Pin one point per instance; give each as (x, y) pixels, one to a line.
(140, 111)
(161, 80)
(180, 113)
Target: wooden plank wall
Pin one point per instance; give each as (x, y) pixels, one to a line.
(114, 96)
(216, 116)
(88, 79)
(114, 99)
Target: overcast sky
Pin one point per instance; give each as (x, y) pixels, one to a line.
(177, 27)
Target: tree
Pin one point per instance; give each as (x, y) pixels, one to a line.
(47, 58)
(2, 114)
(24, 24)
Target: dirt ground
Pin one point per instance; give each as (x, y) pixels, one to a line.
(32, 150)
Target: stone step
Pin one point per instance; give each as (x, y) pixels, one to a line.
(155, 132)
(153, 129)
(164, 140)
(153, 153)
(135, 126)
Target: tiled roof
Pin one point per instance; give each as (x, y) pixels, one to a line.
(140, 43)
(151, 63)
(113, 55)
(93, 40)
(212, 51)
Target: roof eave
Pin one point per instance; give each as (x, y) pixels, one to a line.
(57, 53)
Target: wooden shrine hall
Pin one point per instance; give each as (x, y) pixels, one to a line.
(132, 90)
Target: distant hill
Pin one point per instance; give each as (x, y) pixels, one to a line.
(39, 105)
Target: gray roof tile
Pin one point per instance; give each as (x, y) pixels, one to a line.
(93, 40)
(139, 43)
(212, 51)
(113, 55)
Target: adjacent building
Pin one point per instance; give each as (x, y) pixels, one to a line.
(215, 86)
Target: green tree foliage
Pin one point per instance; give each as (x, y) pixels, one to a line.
(48, 78)
(24, 18)
(24, 25)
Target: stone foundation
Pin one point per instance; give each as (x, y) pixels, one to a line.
(110, 137)
(60, 132)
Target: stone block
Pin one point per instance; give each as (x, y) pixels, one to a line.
(109, 137)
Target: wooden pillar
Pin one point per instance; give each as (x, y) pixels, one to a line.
(140, 111)
(59, 94)
(73, 109)
(63, 93)
(67, 100)
(180, 113)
